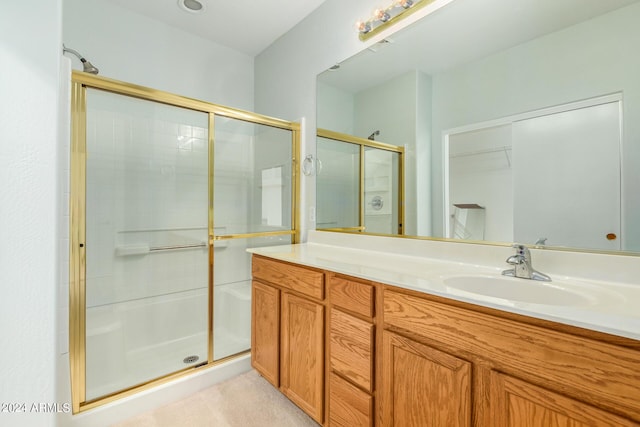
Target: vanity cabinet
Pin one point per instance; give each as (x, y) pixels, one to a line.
(397, 357)
(496, 371)
(288, 322)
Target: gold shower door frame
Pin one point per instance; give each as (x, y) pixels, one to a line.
(77, 210)
(363, 142)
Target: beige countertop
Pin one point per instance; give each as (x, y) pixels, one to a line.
(592, 304)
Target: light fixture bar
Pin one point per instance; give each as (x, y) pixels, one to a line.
(384, 18)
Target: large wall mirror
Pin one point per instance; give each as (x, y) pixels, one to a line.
(520, 121)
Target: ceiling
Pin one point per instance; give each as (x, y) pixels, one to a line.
(248, 26)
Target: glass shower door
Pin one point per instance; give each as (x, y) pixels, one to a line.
(147, 241)
(338, 185)
(253, 194)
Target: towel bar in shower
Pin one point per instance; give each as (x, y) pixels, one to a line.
(142, 249)
(176, 247)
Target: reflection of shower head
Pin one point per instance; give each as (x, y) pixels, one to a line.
(372, 137)
(87, 66)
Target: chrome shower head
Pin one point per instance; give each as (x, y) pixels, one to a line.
(372, 137)
(87, 66)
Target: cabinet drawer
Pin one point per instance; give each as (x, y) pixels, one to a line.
(348, 405)
(352, 295)
(351, 348)
(299, 279)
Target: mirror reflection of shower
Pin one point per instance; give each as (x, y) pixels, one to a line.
(87, 66)
(372, 137)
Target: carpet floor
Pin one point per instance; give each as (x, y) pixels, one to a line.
(244, 401)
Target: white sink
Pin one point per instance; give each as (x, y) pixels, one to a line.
(508, 289)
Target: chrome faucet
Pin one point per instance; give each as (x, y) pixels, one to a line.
(522, 268)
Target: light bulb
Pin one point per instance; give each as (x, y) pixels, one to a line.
(405, 3)
(382, 15)
(363, 27)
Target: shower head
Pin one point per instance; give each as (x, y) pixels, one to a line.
(372, 137)
(87, 66)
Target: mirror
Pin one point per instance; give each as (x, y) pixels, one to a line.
(523, 127)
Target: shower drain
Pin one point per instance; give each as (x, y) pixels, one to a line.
(190, 359)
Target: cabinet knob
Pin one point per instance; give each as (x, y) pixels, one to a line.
(612, 236)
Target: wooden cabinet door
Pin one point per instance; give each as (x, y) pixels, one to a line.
(517, 403)
(302, 368)
(422, 386)
(265, 331)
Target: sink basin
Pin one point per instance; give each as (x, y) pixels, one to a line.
(517, 290)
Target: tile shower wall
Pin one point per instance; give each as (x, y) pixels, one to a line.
(147, 192)
(152, 181)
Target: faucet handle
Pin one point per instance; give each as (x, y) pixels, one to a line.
(515, 260)
(521, 250)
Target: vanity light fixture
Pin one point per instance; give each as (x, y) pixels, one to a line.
(383, 17)
(191, 6)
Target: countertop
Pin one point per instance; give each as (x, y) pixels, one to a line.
(611, 308)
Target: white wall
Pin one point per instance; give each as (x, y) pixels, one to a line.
(551, 70)
(127, 46)
(335, 109)
(30, 37)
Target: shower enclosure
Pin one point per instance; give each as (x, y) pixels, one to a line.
(166, 194)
